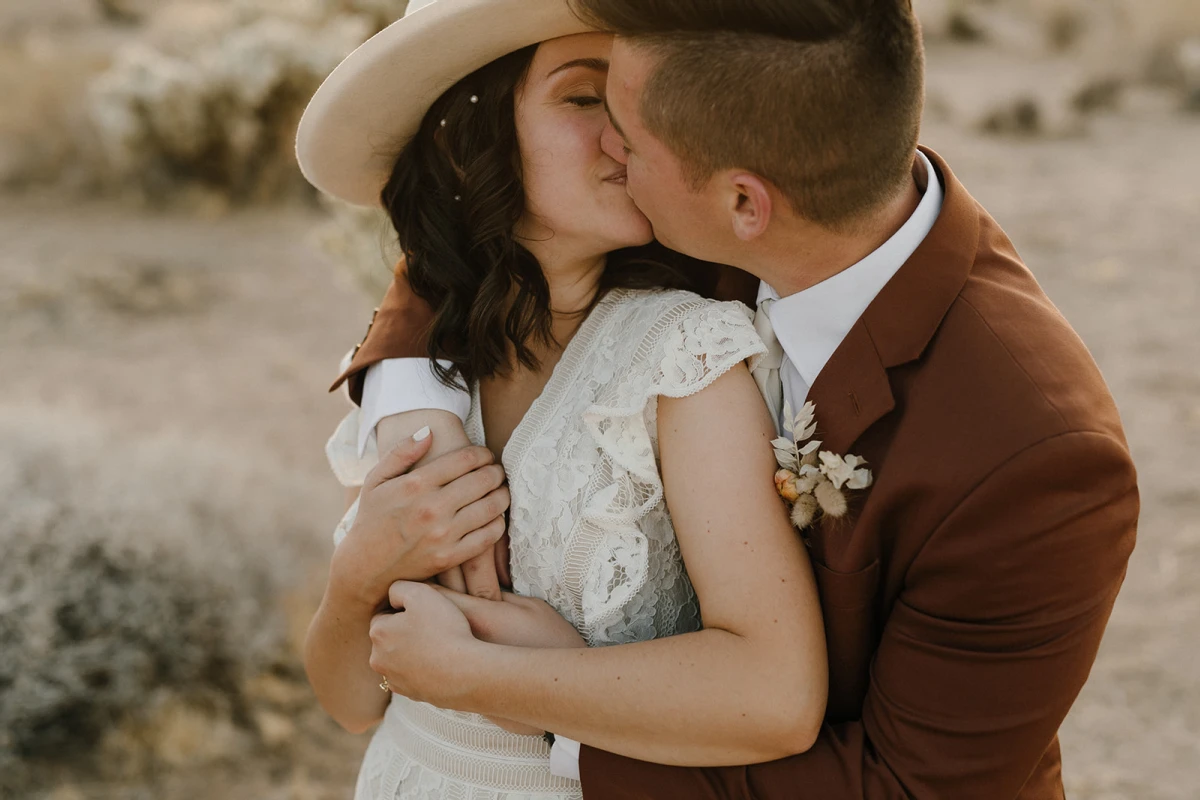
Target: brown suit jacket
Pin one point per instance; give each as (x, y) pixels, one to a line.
(966, 593)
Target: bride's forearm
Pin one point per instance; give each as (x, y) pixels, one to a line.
(337, 652)
(710, 698)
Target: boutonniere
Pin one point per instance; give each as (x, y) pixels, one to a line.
(813, 480)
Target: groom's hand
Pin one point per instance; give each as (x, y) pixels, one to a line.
(412, 525)
(516, 621)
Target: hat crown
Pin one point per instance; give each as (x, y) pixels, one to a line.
(417, 5)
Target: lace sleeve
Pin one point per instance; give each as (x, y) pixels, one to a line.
(685, 351)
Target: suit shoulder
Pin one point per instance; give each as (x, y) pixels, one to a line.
(1004, 333)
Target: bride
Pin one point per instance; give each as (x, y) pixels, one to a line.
(633, 437)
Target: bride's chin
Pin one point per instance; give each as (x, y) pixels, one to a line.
(632, 230)
(643, 231)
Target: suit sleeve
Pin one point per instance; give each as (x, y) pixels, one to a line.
(981, 657)
(399, 329)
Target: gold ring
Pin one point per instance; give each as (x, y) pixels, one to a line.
(385, 685)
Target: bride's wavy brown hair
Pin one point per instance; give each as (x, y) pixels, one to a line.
(454, 197)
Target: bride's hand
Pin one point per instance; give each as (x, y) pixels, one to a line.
(414, 524)
(516, 621)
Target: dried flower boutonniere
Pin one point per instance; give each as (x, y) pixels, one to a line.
(811, 479)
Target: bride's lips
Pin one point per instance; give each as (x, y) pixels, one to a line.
(617, 177)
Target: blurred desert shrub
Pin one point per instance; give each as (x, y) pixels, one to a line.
(210, 94)
(149, 591)
(163, 99)
(362, 242)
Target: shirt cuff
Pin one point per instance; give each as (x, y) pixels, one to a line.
(564, 758)
(398, 385)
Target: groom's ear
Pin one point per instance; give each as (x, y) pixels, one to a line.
(750, 205)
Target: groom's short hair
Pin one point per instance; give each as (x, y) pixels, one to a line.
(823, 98)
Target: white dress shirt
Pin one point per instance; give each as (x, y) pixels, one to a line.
(398, 385)
(810, 326)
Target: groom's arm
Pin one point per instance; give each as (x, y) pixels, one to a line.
(399, 329)
(981, 657)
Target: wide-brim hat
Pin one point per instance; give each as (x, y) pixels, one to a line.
(373, 103)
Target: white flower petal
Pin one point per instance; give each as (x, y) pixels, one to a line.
(860, 479)
(835, 468)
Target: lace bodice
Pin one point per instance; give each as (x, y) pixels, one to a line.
(589, 527)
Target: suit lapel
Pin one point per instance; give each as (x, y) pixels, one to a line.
(853, 391)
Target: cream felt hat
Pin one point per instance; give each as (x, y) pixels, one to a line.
(373, 103)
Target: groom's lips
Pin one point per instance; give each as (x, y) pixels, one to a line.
(617, 178)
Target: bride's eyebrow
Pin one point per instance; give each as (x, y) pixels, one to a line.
(596, 64)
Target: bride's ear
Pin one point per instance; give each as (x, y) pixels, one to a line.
(750, 204)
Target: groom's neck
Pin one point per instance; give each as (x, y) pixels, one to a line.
(800, 254)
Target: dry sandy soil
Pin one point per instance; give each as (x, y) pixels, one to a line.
(228, 329)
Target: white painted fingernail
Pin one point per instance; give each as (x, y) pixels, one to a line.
(421, 435)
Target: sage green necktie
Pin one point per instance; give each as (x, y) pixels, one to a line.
(766, 371)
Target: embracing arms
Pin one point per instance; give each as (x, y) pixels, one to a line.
(981, 657)
(749, 687)
(410, 525)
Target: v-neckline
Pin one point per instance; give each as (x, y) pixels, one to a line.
(563, 374)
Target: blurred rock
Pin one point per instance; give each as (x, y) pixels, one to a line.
(127, 11)
(1061, 60)
(1189, 67)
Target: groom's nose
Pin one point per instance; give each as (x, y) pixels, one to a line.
(612, 144)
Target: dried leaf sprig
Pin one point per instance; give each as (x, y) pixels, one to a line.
(813, 480)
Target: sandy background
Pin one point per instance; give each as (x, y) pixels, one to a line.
(173, 304)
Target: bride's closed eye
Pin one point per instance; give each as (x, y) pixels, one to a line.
(585, 101)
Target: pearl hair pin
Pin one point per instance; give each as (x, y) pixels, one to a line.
(474, 98)
(443, 123)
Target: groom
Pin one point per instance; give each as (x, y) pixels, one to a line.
(966, 592)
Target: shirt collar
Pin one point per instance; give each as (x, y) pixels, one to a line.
(811, 324)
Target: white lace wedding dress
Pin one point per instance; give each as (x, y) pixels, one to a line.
(589, 527)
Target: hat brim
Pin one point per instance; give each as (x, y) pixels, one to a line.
(373, 103)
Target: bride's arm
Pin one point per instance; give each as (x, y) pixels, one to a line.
(446, 497)
(750, 687)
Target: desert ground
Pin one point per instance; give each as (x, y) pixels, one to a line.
(179, 354)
